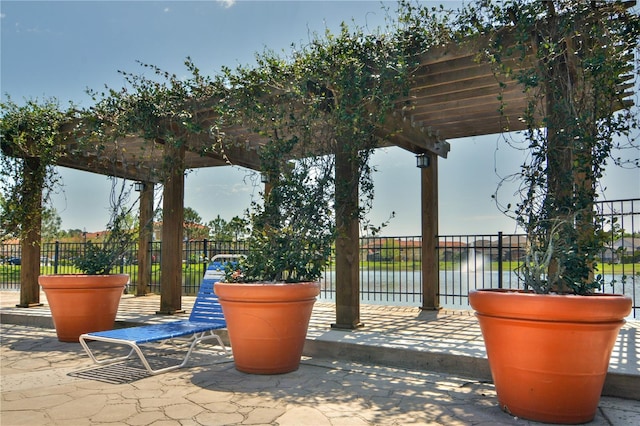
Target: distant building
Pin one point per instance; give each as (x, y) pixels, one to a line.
(625, 247)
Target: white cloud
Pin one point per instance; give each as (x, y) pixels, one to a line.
(166, 10)
(227, 3)
(2, 15)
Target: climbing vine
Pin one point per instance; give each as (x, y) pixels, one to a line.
(326, 102)
(31, 136)
(575, 60)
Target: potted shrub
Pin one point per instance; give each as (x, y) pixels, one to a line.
(267, 298)
(549, 345)
(34, 138)
(549, 348)
(319, 112)
(82, 303)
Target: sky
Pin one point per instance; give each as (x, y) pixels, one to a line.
(58, 49)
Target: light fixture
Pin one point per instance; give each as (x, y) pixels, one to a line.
(138, 186)
(264, 178)
(423, 161)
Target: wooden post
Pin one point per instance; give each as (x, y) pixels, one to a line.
(429, 208)
(172, 232)
(347, 242)
(560, 158)
(30, 237)
(144, 239)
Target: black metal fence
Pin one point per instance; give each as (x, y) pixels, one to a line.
(390, 267)
(57, 258)
(196, 256)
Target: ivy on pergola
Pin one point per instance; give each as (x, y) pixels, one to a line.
(344, 94)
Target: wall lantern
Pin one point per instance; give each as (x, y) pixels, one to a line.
(138, 186)
(423, 161)
(264, 178)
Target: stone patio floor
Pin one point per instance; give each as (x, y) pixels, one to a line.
(403, 367)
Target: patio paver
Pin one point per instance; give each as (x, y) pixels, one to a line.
(47, 382)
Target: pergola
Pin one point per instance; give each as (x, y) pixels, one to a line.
(452, 95)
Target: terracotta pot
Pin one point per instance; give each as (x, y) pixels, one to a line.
(82, 303)
(267, 324)
(549, 354)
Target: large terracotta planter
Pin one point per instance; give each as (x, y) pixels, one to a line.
(549, 354)
(82, 303)
(267, 324)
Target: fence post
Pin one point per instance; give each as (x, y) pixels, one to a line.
(56, 254)
(500, 257)
(150, 273)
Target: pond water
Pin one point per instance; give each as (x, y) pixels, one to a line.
(399, 288)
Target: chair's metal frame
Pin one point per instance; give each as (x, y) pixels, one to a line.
(205, 317)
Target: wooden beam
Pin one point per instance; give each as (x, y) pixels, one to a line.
(201, 151)
(429, 207)
(30, 240)
(91, 164)
(401, 131)
(347, 242)
(435, 81)
(464, 102)
(172, 223)
(480, 100)
(144, 239)
(478, 127)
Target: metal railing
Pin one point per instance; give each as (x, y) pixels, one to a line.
(390, 271)
(390, 267)
(196, 255)
(469, 262)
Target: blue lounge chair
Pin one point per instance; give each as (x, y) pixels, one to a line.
(205, 317)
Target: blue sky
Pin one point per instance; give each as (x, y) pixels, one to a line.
(60, 48)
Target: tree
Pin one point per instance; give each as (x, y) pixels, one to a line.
(191, 217)
(193, 227)
(74, 233)
(219, 229)
(5, 230)
(51, 224)
(238, 227)
(321, 110)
